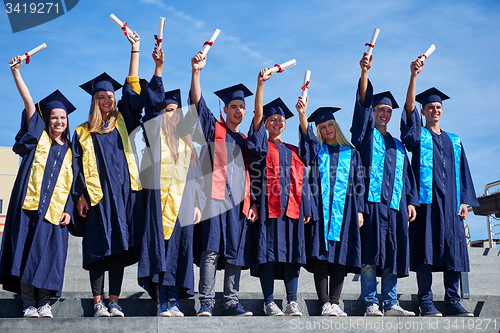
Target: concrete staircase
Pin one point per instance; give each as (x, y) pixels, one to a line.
(73, 311)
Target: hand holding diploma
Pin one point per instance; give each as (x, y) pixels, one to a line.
(371, 45)
(208, 44)
(28, 54)
(279, 68)
(159, 37)
(124, 27)
(305, 87)
(427, 53)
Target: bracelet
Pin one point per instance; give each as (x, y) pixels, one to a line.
(134, 52)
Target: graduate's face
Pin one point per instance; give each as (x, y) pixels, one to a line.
(58, 121)
(432, 112)
(382, 114)
(275, 124)
(235, 111)
(328, 131)
(106, 101)
(172, 114)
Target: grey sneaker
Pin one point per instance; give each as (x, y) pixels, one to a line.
(293, 309)
(398, 311)
(337, 311)
(326, 309)
(30, 312)
(100, 310)
(45, 311)
(272, 309)
(373, 310)
(115, 310)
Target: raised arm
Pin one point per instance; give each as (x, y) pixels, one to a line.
(198, 62)
(259, 98)
(133, 69)
(159, 62)
(29, 106)
(365, 63)
(301, 107)
(415, 69)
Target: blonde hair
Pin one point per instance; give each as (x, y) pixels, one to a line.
(172, 142)
(96, 123)
(339, 136)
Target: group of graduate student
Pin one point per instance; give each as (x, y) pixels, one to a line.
(254, 202)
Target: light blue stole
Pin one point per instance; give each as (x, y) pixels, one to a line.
(426, 165)
(377, 170)
(333, 205)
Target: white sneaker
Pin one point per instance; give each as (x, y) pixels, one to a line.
(337, 311)
(272, 309)
(100, 310)
(31, 312)
(398, 311)
(326, 309)
(373, 310)
(45, 311)
(115, 310)
(293, 309)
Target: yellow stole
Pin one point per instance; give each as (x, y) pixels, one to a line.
(172, 182)
(89, 162)
(63, 184)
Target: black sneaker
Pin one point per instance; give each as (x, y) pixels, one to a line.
(205, 309)
(427, 309)
(454, 309)
(236, 310)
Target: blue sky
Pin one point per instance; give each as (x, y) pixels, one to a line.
(326, 37)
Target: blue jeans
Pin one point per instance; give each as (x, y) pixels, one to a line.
(291, 279)
(208, 270)
(369, 286)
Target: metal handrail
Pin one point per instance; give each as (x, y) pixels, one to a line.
(488, 222)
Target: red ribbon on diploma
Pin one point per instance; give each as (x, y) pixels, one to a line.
(279, 68)
(305, 86)
(27, 58)
(370, 45)
(423, 55)
(208, 43)
(158, 40)
(124, 28)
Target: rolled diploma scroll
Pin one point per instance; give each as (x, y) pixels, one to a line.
(283, 66)
(212, 39)
(427, 53)
(161, 26)
(372, 42)
(120, 24)
(30, 53)
(305, 87)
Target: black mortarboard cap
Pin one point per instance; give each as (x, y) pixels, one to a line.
(103, 82)
(277, 107)
(173, 97)
(229, 94)
(385, 98)
(431, 95)
(322, 114)
(56, 100)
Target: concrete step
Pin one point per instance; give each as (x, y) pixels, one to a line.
(252, 324)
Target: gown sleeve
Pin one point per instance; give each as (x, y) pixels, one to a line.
(411, 129)
(362, 119)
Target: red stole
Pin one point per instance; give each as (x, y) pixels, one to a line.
(220, 167)
(273, 183)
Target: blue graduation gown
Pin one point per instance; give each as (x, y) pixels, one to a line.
(384, 235)
(282, 239)
(224, 228)
(166, 262)
(33, 249)
(346, 251)
(112, 226)
(437, 236)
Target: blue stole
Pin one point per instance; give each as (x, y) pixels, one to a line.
(377, 170)
(426, 165)
(334, 203)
